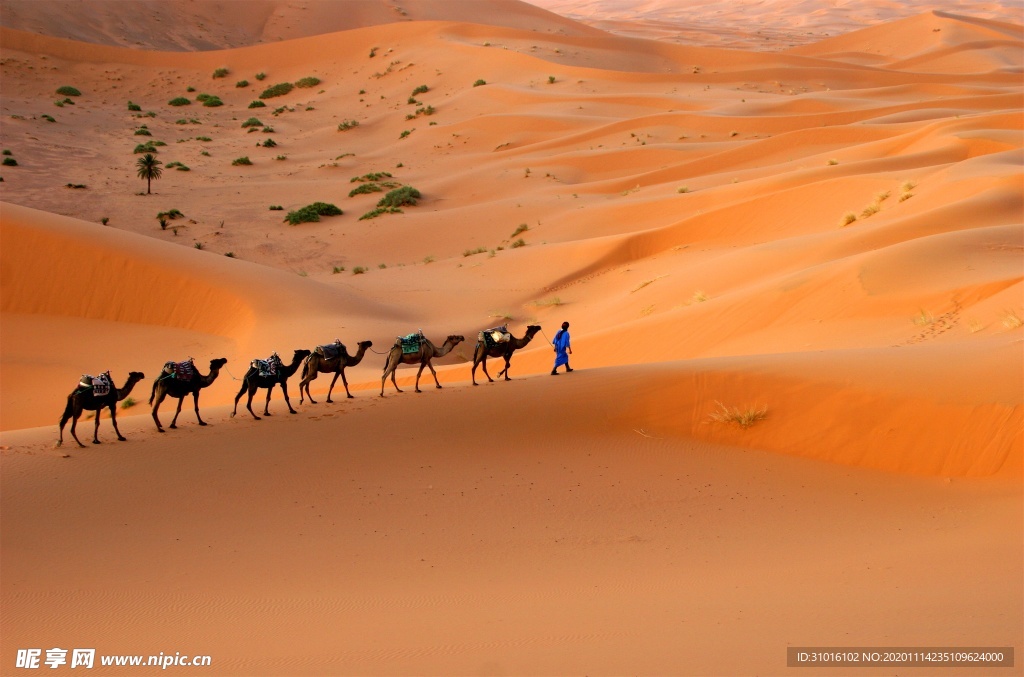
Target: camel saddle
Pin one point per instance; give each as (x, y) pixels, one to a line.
(410, 343)
(267, 367)
(331, 351)
(494, 336)
(183, 371)
(100, 385)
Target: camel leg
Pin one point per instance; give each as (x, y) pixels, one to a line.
(248, 402)
(113, 420)
(420, 371)
(63, 421)
(436, 382)
(345, 382)
(304, 383)
(241, 391)
(156, 407)
(195, 398)
(284, 389)
(96, 427)
(331, 389)
(74, 424)
(483, 363)
(508, 363)
(174, 421)
(266, 407)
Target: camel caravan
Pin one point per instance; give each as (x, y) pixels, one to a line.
(180, 379)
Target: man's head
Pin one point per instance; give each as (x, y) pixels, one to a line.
(565, 325)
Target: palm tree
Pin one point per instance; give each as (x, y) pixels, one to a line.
(149, 169)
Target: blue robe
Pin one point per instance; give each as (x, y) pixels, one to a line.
(561, 346)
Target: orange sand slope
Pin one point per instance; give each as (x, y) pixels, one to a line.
(796, 287)
(756, 24)
(188, 25)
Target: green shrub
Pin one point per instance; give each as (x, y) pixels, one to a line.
(281, 157)
(358, 270)
(374, 213)
(190, 89)
(308, 82)
(521, 228)
(479, 82)
(220, 73)
(405, 133)
(183, 168)
(269, 143)
(279, 89)
(242, 83)
(134, 106)
(213, 102)
(261, 76)
(422, 89)
(257, 104)
(68, 90)
(268, 130)
(276, 208)
(241, 161)
(374, 176)
(7, 152)
(311, 213)
(143, 132)
(399, 197)
(205, 139)
(48, 118)
(10, 162)
(179, 101)
(365, 188)
(147, 147)
(338, 269)
(518, 243)
(252, 122)
(347, 124)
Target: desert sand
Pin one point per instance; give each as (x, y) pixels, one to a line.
(791, 252)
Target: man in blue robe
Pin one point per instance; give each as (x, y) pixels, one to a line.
(562, 349)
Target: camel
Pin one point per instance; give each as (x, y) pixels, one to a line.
(482, 352)
(317, 363)
(167, 385)
(82, 398)
(252, 381)
(424, 355)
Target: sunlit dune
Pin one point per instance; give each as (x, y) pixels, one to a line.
(790, 250)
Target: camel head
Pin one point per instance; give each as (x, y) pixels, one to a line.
(365, 344)
(136, 376)
(218, 363)
(301, 355)
(455, 339)
(532, 329)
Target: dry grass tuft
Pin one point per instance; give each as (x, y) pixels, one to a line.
(743, 417)
(923, 318)
(1012, 320)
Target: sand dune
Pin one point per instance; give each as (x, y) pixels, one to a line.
(794, 277)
